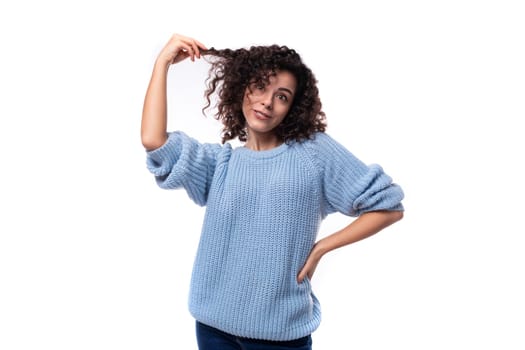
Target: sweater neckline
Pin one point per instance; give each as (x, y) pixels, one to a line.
(269, 153)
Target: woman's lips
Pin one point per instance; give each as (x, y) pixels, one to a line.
(261, 115)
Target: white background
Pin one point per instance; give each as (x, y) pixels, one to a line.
(93, 255)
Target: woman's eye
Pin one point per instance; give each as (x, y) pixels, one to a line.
(282, 97)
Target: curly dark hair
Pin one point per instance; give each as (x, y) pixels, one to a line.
(232, 71)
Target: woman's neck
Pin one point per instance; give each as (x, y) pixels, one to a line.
(262, 142)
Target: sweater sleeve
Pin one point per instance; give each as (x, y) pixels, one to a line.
(182, 162)
(350, 186)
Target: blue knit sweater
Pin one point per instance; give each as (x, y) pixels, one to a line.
(263, 211)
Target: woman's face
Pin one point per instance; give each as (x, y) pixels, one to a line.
(265, 106)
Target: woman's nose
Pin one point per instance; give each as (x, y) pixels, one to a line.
(267, 101)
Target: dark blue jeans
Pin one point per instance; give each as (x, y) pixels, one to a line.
(210, 338)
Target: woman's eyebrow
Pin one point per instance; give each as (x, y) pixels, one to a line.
(285, 89)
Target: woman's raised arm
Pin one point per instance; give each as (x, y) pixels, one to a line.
(154, 114)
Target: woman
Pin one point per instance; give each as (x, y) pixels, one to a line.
(264, 201)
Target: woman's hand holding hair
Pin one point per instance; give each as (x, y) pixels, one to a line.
(179, 48)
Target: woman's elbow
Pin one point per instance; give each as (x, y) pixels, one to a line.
(152, 143)
(391, 216)
(396, 215)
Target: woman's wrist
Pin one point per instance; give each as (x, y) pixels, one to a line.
(320, 249)
(161, 64)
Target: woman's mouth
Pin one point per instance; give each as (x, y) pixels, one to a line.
(261, 115)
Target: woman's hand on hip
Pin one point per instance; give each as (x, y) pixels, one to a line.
(311, 264)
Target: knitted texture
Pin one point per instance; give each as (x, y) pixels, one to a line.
(263, 212)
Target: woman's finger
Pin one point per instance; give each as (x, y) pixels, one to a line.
(183, 51)
(198, 46)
